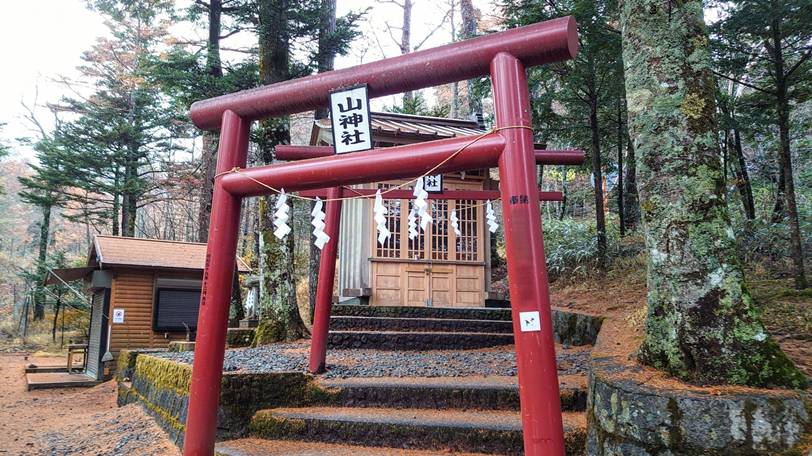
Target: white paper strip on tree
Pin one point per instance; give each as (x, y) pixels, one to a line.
(455, 222)
(380, 218)
(318, 224)
(281, 216)
(421, 203)
(491, 218)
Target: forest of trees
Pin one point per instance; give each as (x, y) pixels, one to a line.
(123, 158)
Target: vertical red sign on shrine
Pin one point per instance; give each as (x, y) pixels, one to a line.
(504, 56)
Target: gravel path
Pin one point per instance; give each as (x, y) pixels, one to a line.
(375, 363)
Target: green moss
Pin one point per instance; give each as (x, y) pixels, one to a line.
(693, 106)
(164, 374)
(125, 363)
(269, 330)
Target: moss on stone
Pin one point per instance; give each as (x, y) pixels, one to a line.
(269, 331)
(164, 374)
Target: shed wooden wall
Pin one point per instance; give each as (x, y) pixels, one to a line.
(133, 291)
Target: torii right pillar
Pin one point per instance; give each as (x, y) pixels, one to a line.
(529, 292)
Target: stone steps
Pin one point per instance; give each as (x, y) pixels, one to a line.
(458, 313)
(260, 447)
(361, 323)
(469, 393)
(571, 328)
(485, 431)
(413, 340)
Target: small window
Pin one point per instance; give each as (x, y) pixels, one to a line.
(174, 307)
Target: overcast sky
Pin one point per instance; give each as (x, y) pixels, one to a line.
(43, 39)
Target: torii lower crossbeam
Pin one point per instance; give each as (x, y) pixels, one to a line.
(503, 55)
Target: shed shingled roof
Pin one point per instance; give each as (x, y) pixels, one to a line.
(150, 253)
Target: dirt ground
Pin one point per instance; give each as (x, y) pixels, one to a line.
(71, 421)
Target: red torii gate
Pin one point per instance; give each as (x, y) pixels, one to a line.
(504, 56)
(324, 288)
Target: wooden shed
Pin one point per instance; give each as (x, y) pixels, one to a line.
(437, 268)
(144, 293)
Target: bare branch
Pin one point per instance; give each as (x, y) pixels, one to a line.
(442, 22)
(738, 81)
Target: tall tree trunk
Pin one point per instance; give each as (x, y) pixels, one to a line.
(631, 204)
(214, 68)
(208, 165)
(563, 204)
(406, 41)
(600, 216)
(42, 257)
(702, 325)
(129, 203)
(620, 209)
(278, 308)
(326, 62)
(468, 16)
(743, 178)
(116, 204)
(57, 306)
(785, 157)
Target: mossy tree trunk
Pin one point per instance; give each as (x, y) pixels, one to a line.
(278, 310)
(702, 325)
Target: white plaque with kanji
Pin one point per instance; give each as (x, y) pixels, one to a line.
(349, 112)
(433, 183)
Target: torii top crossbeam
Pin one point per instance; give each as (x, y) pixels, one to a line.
(537, 44)
(505, 57)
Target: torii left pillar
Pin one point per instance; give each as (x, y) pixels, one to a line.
(212, 327)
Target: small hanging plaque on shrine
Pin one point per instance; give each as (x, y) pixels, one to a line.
(349, 112)
(434, 183)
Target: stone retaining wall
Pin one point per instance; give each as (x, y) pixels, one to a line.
(162, 387)
(636, 411)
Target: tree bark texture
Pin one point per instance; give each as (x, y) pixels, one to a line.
(42, 257)
(600, 216)
(406, 39)
(278, 307)
(702, 325)
(621, 212)
(631, 204)
(326, 62)
(785, 157)
(469, 20)
(210, 139)
(743, 178)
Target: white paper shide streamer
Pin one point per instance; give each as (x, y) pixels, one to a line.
(412, 223)
(380, 218)
(421, 204)
(455, 222)
(491, 218)
(318, 224)
(281, 216)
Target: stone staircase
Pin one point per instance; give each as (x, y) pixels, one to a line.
(416, 416)
(436, 328)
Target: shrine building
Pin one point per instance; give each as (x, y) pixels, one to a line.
(438, 268)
